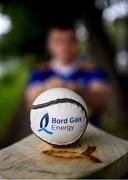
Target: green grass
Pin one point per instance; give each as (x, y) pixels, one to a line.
(11, 89)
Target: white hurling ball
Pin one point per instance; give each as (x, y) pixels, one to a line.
(59, 116)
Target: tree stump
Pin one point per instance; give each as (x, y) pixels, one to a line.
(96, 155)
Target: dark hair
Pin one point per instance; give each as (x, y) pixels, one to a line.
(61, 27)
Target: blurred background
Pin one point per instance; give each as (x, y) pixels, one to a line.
(101, 27)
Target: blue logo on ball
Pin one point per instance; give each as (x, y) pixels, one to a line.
(44, 123)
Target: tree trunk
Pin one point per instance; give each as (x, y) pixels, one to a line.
(104, 54)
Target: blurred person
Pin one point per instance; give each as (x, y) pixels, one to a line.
(64, 70)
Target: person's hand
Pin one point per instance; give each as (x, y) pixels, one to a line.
(34, 90)
(54, 82)
(71, 85)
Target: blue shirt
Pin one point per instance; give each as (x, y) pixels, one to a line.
(82, 76)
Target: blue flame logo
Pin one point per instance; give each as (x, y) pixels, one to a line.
(44, 123)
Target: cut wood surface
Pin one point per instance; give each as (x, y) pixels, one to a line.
(97, 154)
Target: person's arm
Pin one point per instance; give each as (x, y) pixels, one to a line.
(96, 94)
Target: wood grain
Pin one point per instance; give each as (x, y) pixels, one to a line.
(97, 154)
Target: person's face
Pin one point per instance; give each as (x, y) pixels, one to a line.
(62, 45)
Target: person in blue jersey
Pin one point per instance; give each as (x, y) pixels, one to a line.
(64, 70)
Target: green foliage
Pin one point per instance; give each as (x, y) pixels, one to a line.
(11, 89)
(25, 29)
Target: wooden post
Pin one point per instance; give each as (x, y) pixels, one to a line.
(97, 154)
